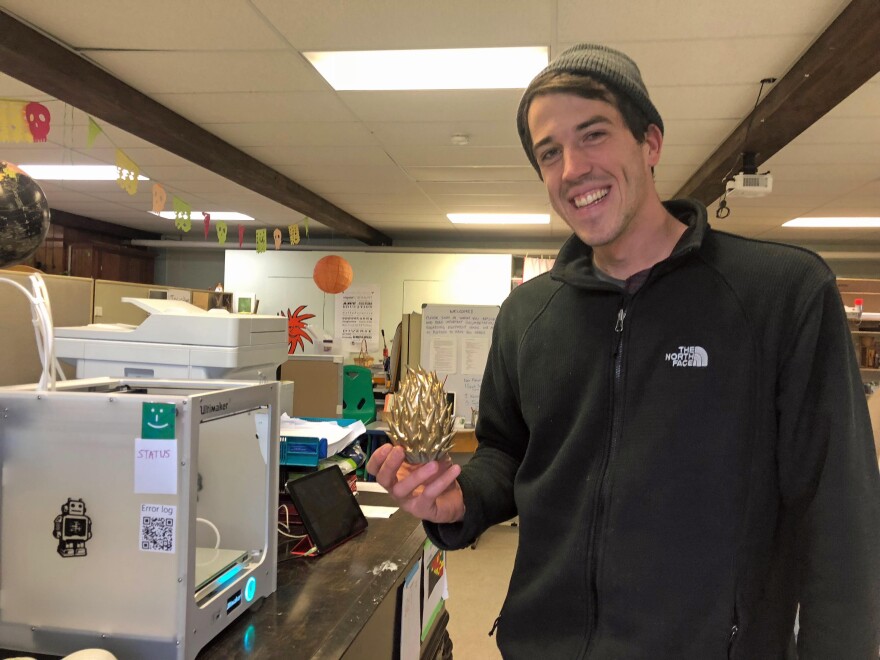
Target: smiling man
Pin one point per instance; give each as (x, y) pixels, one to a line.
(675, 414)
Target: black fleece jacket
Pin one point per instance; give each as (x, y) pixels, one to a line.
(689, 463)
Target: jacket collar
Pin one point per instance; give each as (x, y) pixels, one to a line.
(574, 263)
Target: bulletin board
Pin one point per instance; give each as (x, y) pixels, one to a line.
(455, 344)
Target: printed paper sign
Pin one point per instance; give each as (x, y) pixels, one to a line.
(155, 466)
(410, 621)
(158, 528)
(357, 317)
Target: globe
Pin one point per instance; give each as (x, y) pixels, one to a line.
(24, 215)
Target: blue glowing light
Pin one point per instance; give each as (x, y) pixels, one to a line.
(250, 588)
(250, 636)
(228, 575)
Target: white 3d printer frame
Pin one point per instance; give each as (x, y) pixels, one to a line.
(74, 569)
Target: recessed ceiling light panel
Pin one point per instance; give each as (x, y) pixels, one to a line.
(499, 218)
(448, 68)
(215, 215)
(74, 172)
(842, 223)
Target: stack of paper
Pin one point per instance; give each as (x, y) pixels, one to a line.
(338, 437)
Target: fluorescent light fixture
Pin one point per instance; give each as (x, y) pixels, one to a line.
(843, 223)
(450, 68)
(74, 172)
(215, 215)
(499, 218)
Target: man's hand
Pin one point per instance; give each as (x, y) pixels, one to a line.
(428, 491)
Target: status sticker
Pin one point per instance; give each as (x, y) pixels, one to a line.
(157, 421)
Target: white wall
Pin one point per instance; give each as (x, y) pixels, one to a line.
(282, 280)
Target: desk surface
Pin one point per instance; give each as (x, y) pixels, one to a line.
(322, 603)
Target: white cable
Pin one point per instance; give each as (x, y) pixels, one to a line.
(43, 310)
(212, 526)
(286, 525)
(40, 321)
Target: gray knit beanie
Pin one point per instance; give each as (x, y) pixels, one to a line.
(606, 65)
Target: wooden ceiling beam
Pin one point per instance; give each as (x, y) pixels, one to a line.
(74, 221)
(840, 60)
(41, 62)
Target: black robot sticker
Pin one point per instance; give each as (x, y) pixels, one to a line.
(72, 529)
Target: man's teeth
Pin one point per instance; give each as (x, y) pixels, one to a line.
(594, 196)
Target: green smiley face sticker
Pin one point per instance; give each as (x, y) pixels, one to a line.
(157, 421)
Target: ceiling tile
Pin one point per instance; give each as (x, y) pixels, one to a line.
(211, 108)
(289, 134)
(219, 71)
(684, 20)
(392, 24)
(475, 173)
(154, 25)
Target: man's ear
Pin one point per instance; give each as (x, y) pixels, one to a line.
(653, 144)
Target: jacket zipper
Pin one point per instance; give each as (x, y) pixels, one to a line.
(495, 625)
(734, 630)
(604, 482)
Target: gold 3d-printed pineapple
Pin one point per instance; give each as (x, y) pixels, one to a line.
(420, 419)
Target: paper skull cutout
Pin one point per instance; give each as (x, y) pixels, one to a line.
(276, 235)
(207, 219)
(38, 119)
(293, 230)
(182, 214)
(159, 198)
(261, 240)
(240, 235)
(221, 230)
(127, 173)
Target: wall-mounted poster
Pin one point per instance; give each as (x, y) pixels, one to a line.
(357, 318)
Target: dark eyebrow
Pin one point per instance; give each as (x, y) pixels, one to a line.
(595, 119)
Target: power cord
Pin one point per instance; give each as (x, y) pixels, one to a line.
(41, 317)
(747, 158)
(286, 525)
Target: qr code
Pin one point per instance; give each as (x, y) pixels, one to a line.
(157, 534)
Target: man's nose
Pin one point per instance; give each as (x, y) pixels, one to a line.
(575, 164)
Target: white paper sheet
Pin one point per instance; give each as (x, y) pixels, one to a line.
(371, 511)
(338, 437)
(410, 621)
(155, 466)
(370, 487)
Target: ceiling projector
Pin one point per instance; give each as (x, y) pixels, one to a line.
(749, 185)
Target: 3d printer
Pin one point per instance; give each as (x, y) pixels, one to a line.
(137, 516)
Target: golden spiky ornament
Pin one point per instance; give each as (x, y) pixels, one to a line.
(420, 419)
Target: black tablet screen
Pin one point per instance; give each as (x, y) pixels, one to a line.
(328, 508)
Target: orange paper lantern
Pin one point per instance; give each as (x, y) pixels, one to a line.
(332, 274)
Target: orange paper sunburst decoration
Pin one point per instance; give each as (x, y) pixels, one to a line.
(296, 329)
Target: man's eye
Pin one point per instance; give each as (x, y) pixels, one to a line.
(592, 136)
(548, 155)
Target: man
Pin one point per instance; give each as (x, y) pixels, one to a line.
(674, 413)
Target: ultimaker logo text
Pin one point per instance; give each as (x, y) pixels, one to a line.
(689, 356)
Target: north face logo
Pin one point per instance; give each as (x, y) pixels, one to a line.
(689, 356)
